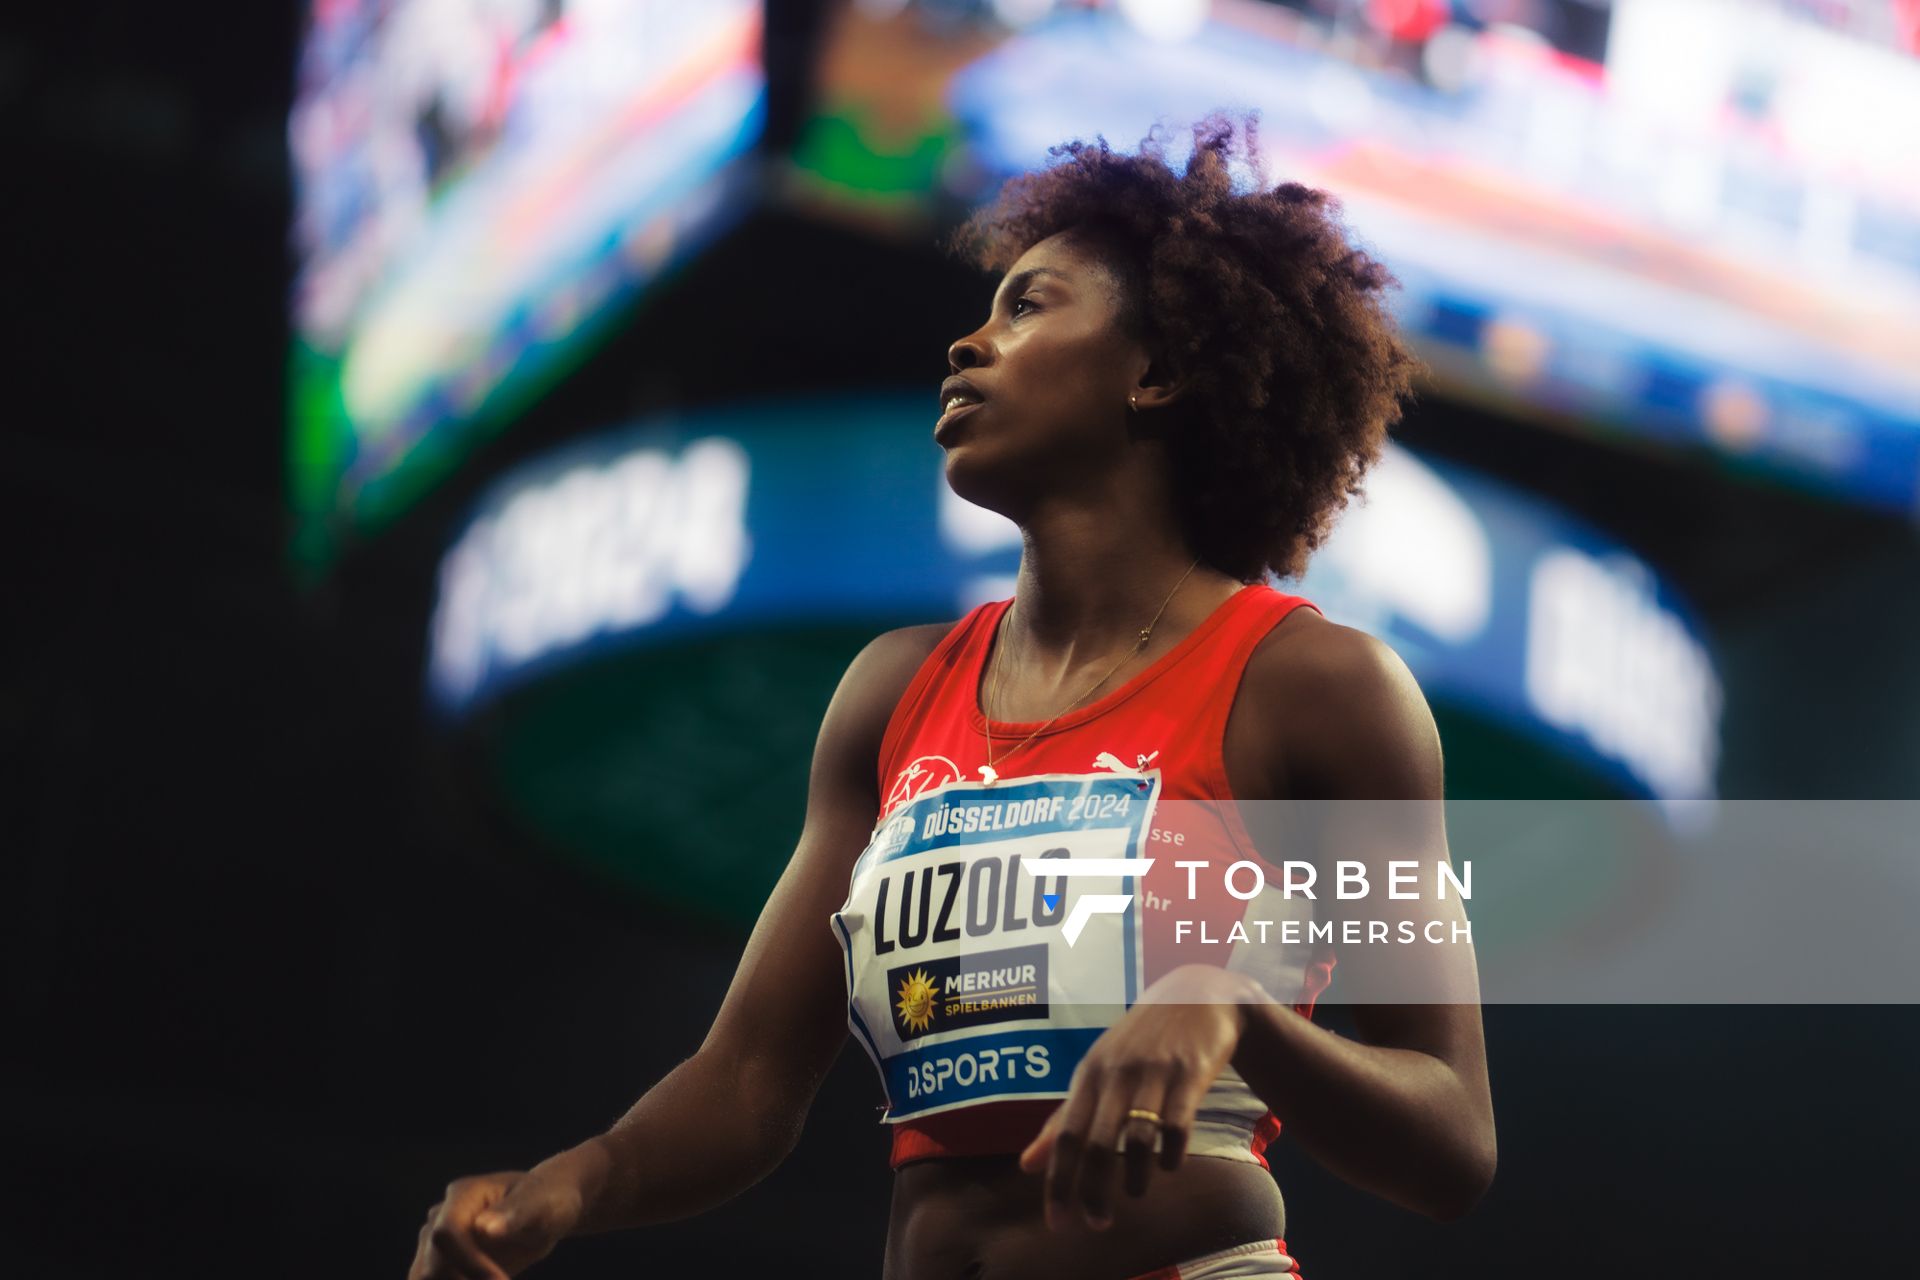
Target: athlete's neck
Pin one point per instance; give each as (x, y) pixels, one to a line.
(1088, 586)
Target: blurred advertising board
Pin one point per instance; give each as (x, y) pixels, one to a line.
(732, 520)
(1693, 222)
(479, 184)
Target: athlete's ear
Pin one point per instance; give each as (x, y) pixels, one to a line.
(1158, 386)
(1147, 399)
(1147, 416)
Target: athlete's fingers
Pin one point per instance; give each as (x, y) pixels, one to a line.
(1034, 1158)
(1069, 1144)
(1093, 1193)
(1138, 1135)
(1100, 1163)
(458, 1258)
(1063, 1170)
(430, 1262)
(420, 1248)
(1181, 1109)
(451, 1253)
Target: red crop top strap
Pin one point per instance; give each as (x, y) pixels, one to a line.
(948, 655)
(1259, 609)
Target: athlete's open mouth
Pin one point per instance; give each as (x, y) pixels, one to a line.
(957, 390)
(958, 407)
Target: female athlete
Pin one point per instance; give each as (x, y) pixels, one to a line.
(1177, 387)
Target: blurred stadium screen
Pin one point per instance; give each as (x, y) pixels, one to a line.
(477, 187)
(710, 524)
(1690, 222)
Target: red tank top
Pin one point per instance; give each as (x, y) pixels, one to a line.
(1171, 717)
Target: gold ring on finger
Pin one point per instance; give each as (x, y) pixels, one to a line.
(1141, 1113)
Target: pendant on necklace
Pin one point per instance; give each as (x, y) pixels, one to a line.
(987, 776)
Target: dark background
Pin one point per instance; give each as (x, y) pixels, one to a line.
(275, 972)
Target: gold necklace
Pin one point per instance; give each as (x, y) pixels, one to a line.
(988, 775)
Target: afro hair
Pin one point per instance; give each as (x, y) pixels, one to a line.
(1292, 367)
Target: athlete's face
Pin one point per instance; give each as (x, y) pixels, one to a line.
(1053, 372)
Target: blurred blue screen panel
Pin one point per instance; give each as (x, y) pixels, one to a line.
(478, 186)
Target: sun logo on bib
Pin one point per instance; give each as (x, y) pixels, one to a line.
(917, 992)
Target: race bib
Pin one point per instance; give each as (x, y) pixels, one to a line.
(981, 965)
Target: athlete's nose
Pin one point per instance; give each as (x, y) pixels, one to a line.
(967, 353)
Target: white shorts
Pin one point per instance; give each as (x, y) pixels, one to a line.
(1255, 1260)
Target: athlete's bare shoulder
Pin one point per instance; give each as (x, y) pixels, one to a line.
(1305, 650)
(1344, 715)
(872, 687)
(892, 657)
(917, 641)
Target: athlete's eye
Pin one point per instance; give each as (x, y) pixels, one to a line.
(1019, 302)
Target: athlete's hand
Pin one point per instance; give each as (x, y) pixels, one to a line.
(1161, 1056)
(495, 1225)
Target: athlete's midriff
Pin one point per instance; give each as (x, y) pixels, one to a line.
(982, 1218)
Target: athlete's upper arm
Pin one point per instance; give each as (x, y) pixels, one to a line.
(783, 1020)
(1357, 744)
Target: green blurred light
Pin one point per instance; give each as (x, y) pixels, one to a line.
(837, 148)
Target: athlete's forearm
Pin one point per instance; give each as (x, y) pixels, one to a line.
(1397, 1122)
(693, 1141)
